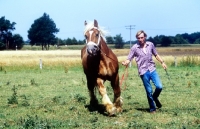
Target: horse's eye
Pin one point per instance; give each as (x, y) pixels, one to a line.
(85, 36)
(97, 35)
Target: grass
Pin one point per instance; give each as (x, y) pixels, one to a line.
(54, 98)
(31, 59)
(57, 96)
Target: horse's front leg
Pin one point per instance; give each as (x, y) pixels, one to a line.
(91, 85)
(110, 108)
(117, 93)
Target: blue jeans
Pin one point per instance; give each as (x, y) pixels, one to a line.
(154, 77)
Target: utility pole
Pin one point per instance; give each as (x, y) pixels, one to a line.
(130, 27)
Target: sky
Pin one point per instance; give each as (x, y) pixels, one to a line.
(155, 17)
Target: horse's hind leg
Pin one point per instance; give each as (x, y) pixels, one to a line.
(110, 108)
(117, 93)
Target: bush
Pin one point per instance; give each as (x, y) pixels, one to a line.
(13, 98)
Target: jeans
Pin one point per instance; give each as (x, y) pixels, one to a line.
(154, 77)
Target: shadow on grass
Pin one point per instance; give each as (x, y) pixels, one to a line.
(147, 110)
(98, 108)
(143, 109)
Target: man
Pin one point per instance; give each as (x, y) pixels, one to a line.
(142, 51)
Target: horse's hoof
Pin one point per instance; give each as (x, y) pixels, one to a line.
(119, 109)
(111, 110)
(118, 102)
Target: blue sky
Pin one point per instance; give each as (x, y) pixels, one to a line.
(156, 17)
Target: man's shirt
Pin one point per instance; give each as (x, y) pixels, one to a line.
(143, 57)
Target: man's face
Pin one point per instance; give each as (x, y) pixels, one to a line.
(141, 39)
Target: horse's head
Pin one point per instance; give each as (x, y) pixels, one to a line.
(92, 37)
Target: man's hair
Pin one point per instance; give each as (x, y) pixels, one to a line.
(140, 32)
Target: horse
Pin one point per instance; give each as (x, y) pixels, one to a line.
(100, 64)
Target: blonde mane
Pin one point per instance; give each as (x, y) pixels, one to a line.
(90, 25)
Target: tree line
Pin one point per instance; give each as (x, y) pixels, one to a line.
(7, 39)
(42, 33)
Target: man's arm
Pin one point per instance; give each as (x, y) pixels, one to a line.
(161, 61)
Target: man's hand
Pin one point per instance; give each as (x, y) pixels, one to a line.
(126, 62)
(164, 65)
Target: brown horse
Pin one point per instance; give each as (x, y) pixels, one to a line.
(100, 64)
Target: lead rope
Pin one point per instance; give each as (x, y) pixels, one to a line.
(169, 79)
(124, 77)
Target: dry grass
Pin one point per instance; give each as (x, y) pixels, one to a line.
(72, 57)
(32, 58)
(179, 51)
(167, 51)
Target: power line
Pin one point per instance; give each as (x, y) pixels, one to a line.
(130, 27)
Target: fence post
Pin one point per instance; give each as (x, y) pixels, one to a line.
(175, 61)
(40, 63)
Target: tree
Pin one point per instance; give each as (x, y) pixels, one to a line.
(197, 41)
(109, 40)
(152, 40)
(5, 32)
(156, 40)
(68, 41)
(187, 37)
(59, 42)
(194, 36)
(178, 39)
(42, 31)
(118, 40)
(81, 42)
(165, 41)
(16, 42)
(74, 41)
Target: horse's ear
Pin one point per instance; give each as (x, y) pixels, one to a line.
(85, 23)
(95, 23)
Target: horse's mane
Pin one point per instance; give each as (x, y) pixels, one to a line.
(90, 25)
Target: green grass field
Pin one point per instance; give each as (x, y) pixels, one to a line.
(57, 97)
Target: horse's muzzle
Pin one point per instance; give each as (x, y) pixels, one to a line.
(92, 50)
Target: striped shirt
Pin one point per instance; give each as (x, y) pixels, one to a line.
(143, 57)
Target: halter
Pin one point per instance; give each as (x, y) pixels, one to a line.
(99, 38)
